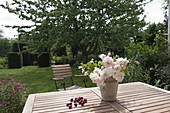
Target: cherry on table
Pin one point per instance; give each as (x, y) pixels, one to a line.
(70, 106)
(71, 100)
(67, 104)
(75, 104)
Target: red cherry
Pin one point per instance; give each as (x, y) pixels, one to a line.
(81, 98)
(71, 100)
(67, 104)
(75, 99)
(85, 100)
(70, 106)
(78, 99)
(82, 103)
(75, 104)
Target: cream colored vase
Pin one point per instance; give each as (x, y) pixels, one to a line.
(109, 89)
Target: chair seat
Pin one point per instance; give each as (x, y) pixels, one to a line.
(58, 78)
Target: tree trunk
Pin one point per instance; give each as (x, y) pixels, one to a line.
(84, 56)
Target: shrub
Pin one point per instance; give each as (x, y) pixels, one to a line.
(3, 61)
(161, 77)
(137, 73)
(26, 59)
(62, 60)
(12, 95)
(14, 60)
(44, 60)
(151, 55)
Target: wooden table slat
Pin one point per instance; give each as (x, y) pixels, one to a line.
(145, 101)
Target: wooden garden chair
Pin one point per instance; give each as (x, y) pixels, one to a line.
(60, 72)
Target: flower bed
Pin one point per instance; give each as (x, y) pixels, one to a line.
(12, 95)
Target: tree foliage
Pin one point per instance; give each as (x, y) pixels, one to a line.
(5, 47)
(152, 53)
(1, 33)
(87, 26)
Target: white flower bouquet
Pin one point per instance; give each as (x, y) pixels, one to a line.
(99, 71)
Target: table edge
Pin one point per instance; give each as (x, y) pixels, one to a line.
(151, 86)
(28, 107)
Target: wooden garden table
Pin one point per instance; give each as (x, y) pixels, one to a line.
(134, 97)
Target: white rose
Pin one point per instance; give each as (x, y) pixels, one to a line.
(108, 62)
(102, 56)
(97, 70)
(122, 62)
(117, 67)
(106, 73)
(109, 53)
(119, 76)
(95, 78)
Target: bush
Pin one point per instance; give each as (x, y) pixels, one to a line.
(62, 60)
(44, 60)
(33, 59)
(12, 96)
(3, 61)
(14, 60)
(137, 73)
(1, 66)
(151, 55)
(161, 76)
(26, 59)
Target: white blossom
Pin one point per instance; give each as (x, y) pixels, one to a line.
(95, 78)
(83, 70)
(109, 53)
(122, 62)
(92, 60)
(117, 67)
(80, 67)
(106, 73)
(86, 73)
(97, 70)
(108, 62)
(119, 76)
(102, 56)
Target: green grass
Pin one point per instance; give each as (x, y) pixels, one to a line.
(38, 80)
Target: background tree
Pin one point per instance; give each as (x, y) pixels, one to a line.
(87, 27)
(1, 33)
(5, 47)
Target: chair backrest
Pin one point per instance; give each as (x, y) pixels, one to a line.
(63, 70)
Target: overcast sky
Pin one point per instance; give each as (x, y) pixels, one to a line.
(153, 11)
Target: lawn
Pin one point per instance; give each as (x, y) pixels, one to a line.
(38, 80)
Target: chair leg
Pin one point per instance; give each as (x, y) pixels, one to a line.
(63, 84)
(84, 81)
(72, 81)
(56, 85)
